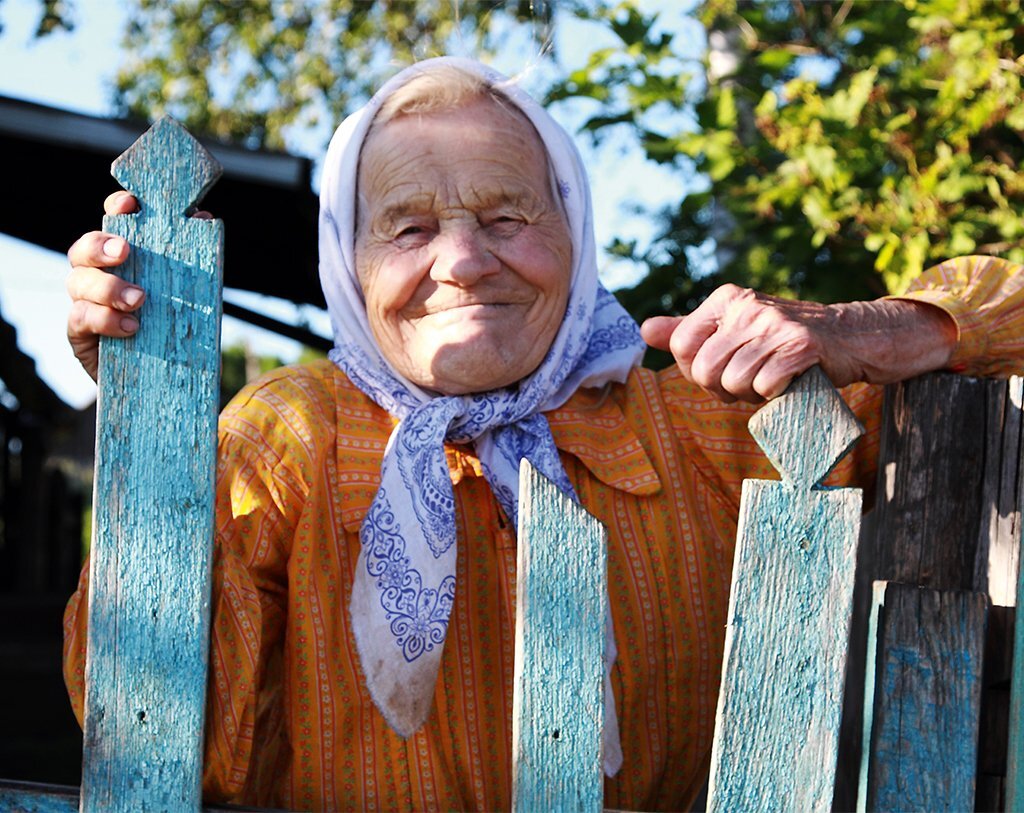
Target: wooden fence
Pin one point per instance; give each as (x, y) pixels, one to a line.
(931, 712)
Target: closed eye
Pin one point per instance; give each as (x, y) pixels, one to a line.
(411, 235)
(506, 225)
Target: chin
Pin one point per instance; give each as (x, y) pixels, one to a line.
(451, 375)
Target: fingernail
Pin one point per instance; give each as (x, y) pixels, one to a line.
(129, 325)
(132, 296)
(113, 247)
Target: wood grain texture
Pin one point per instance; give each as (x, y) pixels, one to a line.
(948, 515)
(153, 503)
(921, 734)
(807, 430)
(945, 435)
(31, 797)
(1015, 745)
(993, 729)
(561, 611)
(785, 650)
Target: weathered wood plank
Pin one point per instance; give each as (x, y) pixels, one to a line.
(998, 554)
(153, 503)
(561, 612)
(948, 515)
(945, 435)
(1015, 746)
(921, 730)
(31, 797)
(993, 731)
(785, 649)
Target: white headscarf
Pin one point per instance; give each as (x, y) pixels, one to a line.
(405, 579)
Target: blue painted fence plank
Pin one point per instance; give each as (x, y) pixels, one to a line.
(153, 504)
(31, 797)
(921, 719)
(561, 612)
(779, 708)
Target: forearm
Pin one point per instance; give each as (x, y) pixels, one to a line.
(887, 340)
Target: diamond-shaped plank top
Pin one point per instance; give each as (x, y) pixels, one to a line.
(166, 169)
(806, 430)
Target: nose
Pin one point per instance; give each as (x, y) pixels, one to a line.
(462, 256)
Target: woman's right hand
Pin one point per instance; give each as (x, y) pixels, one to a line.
(102, 304)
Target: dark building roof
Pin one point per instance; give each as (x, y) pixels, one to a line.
(18, 374)
(57, 173)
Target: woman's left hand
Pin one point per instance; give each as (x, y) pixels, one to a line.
(744, 345)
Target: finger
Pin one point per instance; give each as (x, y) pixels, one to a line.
(93, 285)
(120, 203)
(763, 367)
(689, 337)
(98, 249)
(201, 214)
(657, 330)
(87, 320)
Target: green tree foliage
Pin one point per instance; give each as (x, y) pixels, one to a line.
(54, 15)
(247, 71)
(846, 145)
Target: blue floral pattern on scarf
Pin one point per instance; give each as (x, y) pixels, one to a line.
(418, 615)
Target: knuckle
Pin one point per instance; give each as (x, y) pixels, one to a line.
(84, 247)
(679, 345)
(733, 382)
(703, 374)
(78, 318)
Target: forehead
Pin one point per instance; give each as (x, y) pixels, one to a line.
(481, 149)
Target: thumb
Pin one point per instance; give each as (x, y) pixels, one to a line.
(657, 331)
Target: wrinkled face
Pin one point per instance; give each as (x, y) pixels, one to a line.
(462, 252)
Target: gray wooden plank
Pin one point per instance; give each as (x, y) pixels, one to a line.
(943, 435)
(998, 552)
(561, 612)
(993, 730)
(153, 504)
(1015, 746)
(785, 650)
(921, 734)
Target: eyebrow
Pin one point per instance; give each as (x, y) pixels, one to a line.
(418, 204)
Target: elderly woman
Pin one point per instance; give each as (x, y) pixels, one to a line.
(366, 504)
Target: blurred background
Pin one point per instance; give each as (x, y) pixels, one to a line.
(826, 150)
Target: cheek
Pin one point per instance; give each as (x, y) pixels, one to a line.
(388, 280)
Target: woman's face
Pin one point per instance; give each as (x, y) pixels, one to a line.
(462, 253)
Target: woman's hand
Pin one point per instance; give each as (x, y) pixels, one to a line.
(743, 345)
(102, 304)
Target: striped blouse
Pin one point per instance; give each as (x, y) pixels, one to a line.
(290, 723)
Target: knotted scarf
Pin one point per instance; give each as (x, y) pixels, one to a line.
(405, 580)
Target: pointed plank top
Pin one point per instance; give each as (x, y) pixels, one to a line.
(167, 169)
(806, 449)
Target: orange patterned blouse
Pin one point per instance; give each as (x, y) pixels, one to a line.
(290, 723)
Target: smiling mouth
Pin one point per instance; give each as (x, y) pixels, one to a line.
(470, 307)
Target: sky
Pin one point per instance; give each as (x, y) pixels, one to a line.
(75, 71)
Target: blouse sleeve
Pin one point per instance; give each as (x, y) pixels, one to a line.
(985, 297)
(247, 621)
